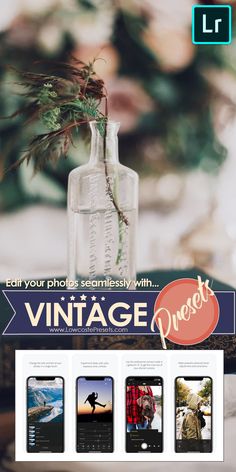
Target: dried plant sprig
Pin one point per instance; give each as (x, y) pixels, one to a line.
(64, 98)
(68, 96)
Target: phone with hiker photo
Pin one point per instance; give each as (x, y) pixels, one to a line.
(193, 414)
(94, 413)
(144, 414)
(45, 414)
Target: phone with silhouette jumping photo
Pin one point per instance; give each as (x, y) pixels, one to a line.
(193, 414)
(94, 414)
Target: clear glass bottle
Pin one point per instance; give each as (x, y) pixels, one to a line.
(102, 213)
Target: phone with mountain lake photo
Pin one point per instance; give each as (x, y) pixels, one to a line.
(45, 414)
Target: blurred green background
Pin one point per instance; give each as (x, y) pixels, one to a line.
(175, 102)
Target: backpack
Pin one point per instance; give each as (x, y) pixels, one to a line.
(201, 419)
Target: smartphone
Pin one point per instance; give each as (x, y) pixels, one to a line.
(193, 414)
(94, 414)
(45, 414)
(144, 414)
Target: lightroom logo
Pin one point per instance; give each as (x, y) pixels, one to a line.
(212, 24)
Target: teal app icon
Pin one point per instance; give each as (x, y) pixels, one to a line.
(211, 24)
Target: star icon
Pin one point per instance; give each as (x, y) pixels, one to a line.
(93, 298)
(62, 299)
(103, 298)
(83, 297)
(72, 298)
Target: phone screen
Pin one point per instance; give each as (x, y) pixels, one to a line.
(144, 414)
(94, 414)
(45, 414)
(193, 414)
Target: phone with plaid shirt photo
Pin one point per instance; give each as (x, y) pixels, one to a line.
(144, 414)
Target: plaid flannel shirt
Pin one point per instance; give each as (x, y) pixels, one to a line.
(133, 411)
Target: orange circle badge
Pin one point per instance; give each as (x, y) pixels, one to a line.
(186, 311)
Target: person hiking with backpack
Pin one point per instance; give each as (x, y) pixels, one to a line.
(193, 420)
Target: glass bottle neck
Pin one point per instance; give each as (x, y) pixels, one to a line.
(104, 148)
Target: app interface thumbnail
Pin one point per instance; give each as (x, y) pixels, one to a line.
(45, 414)
(144, 414)
(94, 414)
(193, 414)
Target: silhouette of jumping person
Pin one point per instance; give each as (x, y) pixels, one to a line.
(91, 398)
